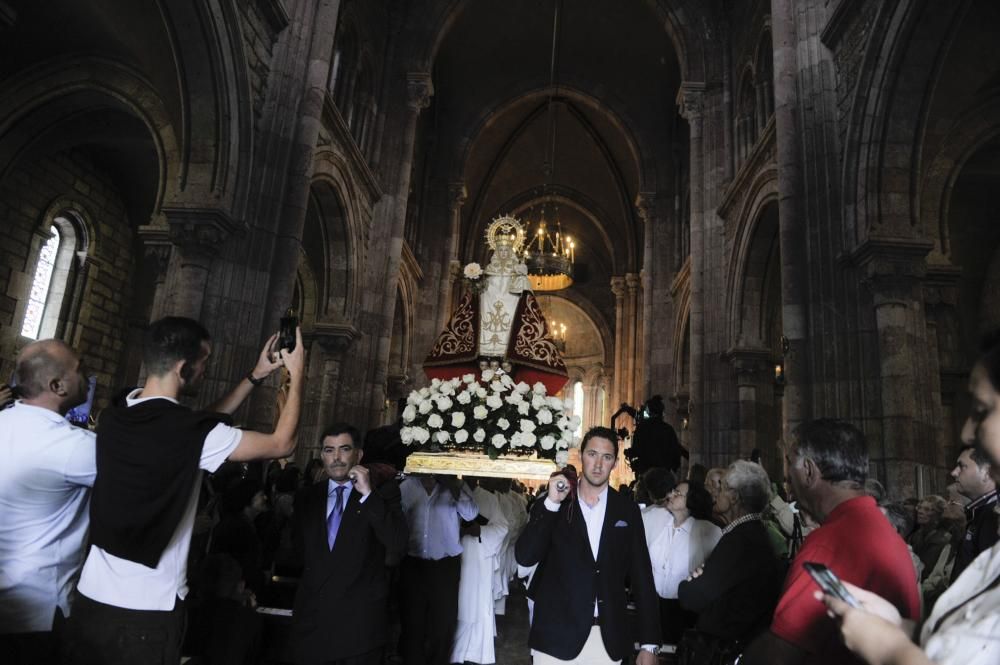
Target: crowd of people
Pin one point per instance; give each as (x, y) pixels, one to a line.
(102, 531)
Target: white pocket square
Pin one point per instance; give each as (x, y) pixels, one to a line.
(621, 523)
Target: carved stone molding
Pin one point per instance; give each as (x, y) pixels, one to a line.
(691, 100)
(618, 287)
(941, 285)
(419, 90)
(645, 205)
(199, 230)
(158, 247)
(632, 282)
(333, 337)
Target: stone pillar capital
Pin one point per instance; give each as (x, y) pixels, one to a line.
(199, 230)
(333, 337)
(158, 247)
(690, 99)
(749, 364)
(645, 203)
(618, 287)
(892, 267)
(632, 282)
(419, 90)
(457, 195)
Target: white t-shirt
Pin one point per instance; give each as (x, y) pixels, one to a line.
(47, 467)
(122, 583)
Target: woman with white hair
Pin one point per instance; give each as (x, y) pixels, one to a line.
(735, 592)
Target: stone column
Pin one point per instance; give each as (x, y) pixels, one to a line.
(633, 365)
(197, 236)
(643, 204)
(894, 270)
(618, 391)
(457, 195)
(419, 91)
(690, 98)
(328, 344)
(752, 368)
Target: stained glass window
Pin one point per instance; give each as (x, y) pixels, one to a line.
(40, 286)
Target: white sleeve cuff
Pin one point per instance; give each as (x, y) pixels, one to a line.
(550, 505)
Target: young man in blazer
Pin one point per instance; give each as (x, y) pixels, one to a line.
(586, 547)
(349, 532)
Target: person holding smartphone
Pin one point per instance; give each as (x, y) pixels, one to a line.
(964, 626)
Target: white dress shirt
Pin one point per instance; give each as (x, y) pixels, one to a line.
(115, 581)
(47, 467)
(433, 519)
(670, 555)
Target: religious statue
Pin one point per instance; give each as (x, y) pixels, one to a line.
(498, 323)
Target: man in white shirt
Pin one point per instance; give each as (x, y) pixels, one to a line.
(47, 467)
(430, 572)
(151, 452)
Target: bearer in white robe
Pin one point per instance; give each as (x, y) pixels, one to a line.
(515, 511)
(476, 622)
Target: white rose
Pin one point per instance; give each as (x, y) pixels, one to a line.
(457, 419)
(539, 388)
(487, 375)
(409, 413)
(562, 458)
(544, 416)
(563, 423)
(514, 398)
(464, 397)
(481, 392)
(497, 387)
(425, 406)
(574, 423)
(503, 423)
(406, 435)
(538, 402)
(506, 380)
(523, 388)
(435, 383)
(424, 392)
(413, 398)
(480, 412)
(523, 408)
(479, 435)
(420, 435)
(498, 441)
(494, 402)
(472, 271)
(442, 436)
(447, 389)
(435, 421)
(468, 378)
(527, 425)
(516, 440)
(555, 403)
(548, 442)
(528, 440)
(444, 404)
(461, 436)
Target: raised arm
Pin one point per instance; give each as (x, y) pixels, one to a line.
(229, 403)
(281, 442)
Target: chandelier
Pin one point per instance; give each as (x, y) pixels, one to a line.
(557, 331)
(549, 254)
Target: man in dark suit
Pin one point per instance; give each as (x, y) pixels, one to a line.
(349, 532)
(585, 549)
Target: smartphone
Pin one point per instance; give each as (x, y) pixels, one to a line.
(286, 333)
(830, 583)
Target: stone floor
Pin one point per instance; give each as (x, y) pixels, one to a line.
(512, 631)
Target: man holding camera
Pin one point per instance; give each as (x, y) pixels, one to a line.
(350, 529)
(586, 548)
(151, 452)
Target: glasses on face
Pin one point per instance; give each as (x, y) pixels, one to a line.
(677, 492)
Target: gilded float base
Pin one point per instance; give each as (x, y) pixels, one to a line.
(472, 464)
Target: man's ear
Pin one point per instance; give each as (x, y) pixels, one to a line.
(184, 370)
(813, 474)
(361, 455)
(57, 386)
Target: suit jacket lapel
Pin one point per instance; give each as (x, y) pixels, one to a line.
(579, 524)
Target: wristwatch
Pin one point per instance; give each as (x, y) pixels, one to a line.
(651, 648)
(251, 379)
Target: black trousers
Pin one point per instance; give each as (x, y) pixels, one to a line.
(428, 609)
(39, 648)
(370, 658)
(99, 634)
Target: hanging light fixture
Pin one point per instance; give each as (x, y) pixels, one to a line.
(549, 253)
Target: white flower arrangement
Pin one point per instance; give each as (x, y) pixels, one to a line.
(490, 414)
(472, 271)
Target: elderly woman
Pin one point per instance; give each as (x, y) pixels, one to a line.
(735, 593)
(930, 537)
(964, 626)
(680, 549)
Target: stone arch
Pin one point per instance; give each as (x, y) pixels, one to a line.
(328, 245)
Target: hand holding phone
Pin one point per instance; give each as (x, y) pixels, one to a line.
(830, 583)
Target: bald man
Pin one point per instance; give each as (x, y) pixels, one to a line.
(48, 467)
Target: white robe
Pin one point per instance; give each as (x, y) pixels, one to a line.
(476, 622)
(515, 511)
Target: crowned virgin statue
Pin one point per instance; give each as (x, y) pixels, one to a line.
(498, 323)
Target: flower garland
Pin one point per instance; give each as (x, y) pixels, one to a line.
(491, 415)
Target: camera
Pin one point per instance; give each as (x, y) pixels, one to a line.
(286, 333)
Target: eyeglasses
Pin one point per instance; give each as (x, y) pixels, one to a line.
(675, 492)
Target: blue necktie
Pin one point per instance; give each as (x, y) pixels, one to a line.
(333, 520)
